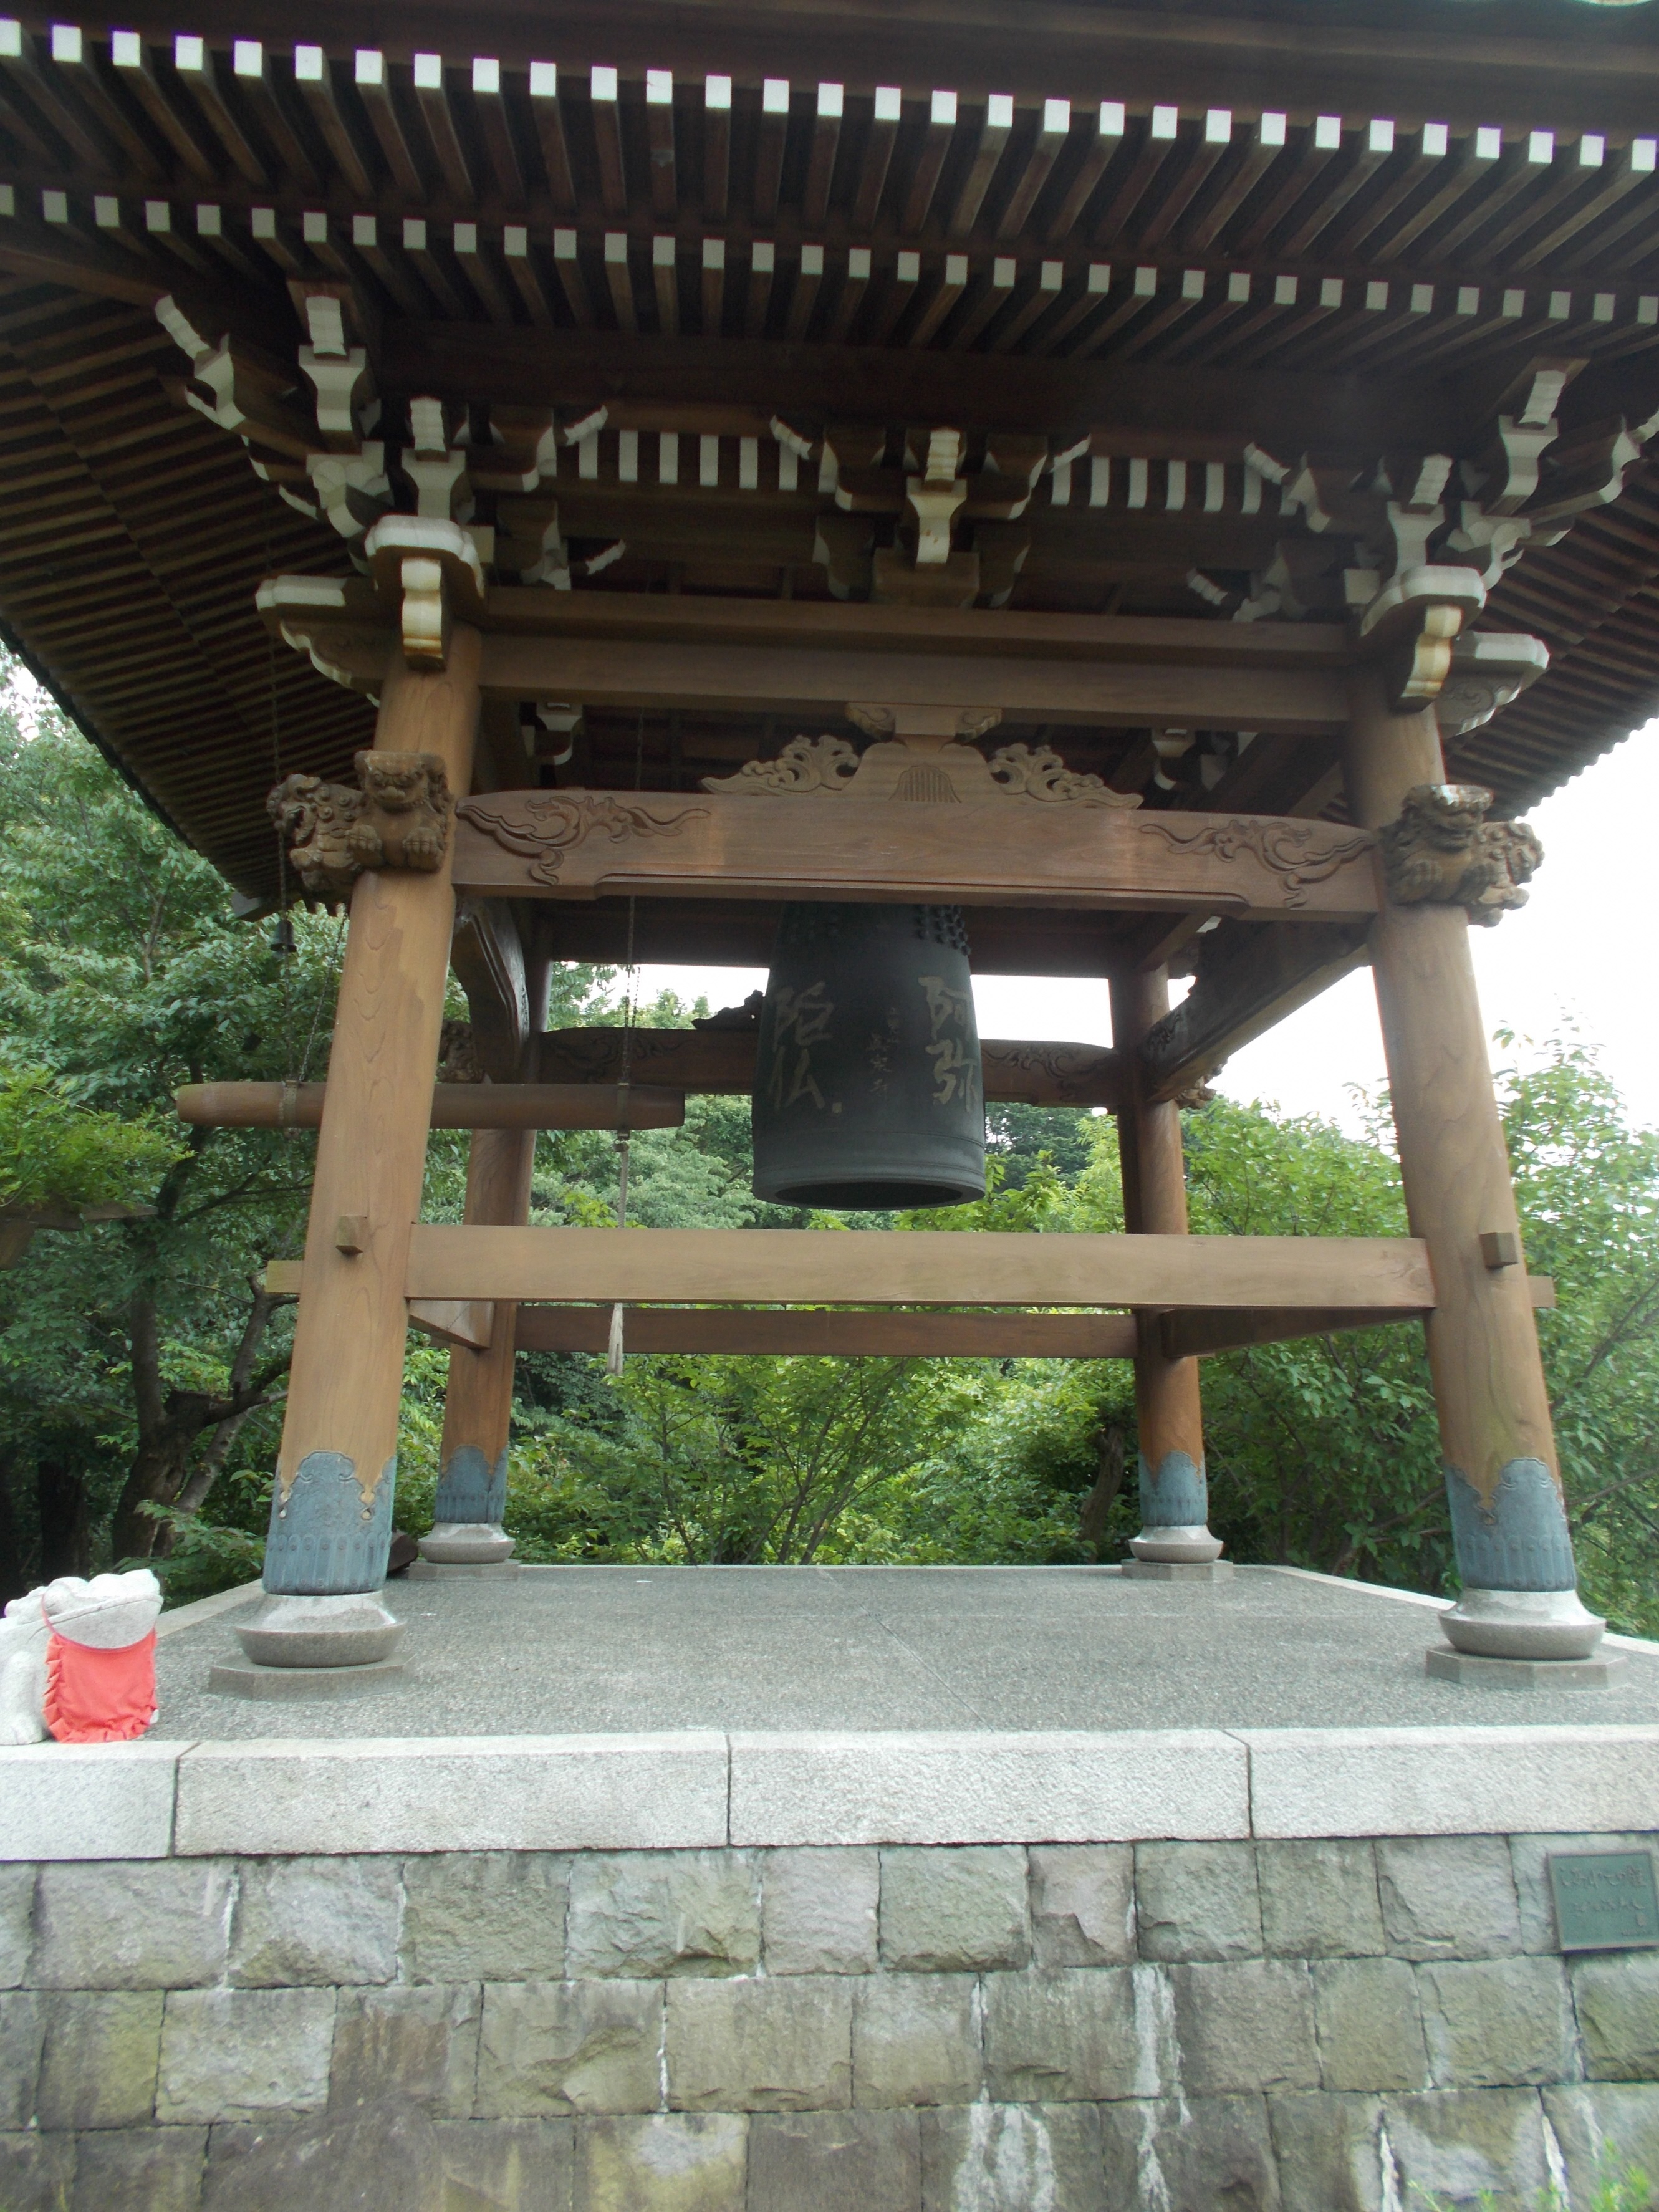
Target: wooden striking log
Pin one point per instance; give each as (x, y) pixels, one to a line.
(814, 1332)
(722, 1062)
(454, 1106)
(1253, 980)
(742, 1267)
(1202, 1334)
(587, 844)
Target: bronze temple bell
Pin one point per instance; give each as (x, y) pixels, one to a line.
(868, 1087)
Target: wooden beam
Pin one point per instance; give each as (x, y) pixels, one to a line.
(813, 1333)
(1200, 1334)
(722, 1061)
(587, 368)
(585, 844)
(620, 619)
(741, 1266)
(454, 1106)
(1253, 979)
(662, 651)
(790, 679)
(739, 933)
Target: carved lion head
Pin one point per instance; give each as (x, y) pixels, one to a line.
(292, 806)
(397, 783)
(1447, 815)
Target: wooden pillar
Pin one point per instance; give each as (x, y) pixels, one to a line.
(472, 1496)
(1514, 1550)
(1175, 1502)
(332, 1511)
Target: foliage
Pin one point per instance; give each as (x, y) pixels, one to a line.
(56, 1154)
(1618, 2189)
(1588, 1187)
(723, 1460)
(204, 1556)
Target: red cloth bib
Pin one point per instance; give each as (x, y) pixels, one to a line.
(100, 1697)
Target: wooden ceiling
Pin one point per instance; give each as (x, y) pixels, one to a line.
(1227, 267)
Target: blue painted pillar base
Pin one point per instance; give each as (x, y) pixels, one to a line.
(466, 1513)
(1520, 1596)
(325, 1560)
(1175, 1513)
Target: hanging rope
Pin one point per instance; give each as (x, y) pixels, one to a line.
(615, 1352)
(282, 942)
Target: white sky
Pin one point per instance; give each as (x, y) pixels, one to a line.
(1577, 954)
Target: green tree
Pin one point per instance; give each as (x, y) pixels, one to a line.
(1588, 1186)
(723, 1460)
(131, 1356)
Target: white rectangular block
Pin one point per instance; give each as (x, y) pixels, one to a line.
(88, 1801)
(455, 1794)
(1452, 1781)
(1070, 1786)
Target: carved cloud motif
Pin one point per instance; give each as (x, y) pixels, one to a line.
(1298, 852)
(560, 821)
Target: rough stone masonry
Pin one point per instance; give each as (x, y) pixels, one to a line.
(1269, 2027)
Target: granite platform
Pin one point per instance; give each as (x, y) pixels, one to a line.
(581, 1650)
(672, 1709)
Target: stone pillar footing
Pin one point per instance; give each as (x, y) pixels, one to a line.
(1509, 1624)
(1189, 1546)
(436, 1571)
(353, 1629)
(1473, 1671)
(243, 1678)
(1177, 1570)
(467, 1544)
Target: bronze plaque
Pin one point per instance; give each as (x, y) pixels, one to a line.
(1605, 1900)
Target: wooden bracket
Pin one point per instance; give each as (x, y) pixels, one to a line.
(467, 1323)
(1411, 628)
(1500, 1248)
(426, 567)
(1488, 671)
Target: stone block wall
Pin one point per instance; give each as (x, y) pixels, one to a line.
(1267, 2027)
